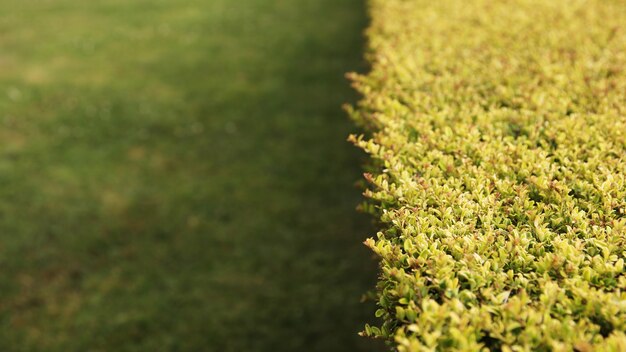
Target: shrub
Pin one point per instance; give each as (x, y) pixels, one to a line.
(497, 134)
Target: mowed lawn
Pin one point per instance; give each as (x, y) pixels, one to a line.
(174, 176)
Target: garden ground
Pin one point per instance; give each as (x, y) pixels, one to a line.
(174, 176)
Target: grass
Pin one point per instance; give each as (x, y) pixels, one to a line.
(174, 176)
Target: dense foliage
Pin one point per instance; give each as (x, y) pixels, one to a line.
(497, 131)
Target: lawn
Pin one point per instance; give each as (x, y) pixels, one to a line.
(174, 176)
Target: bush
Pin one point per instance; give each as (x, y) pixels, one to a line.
(497, 133)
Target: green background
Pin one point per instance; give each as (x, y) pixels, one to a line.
(174, 176)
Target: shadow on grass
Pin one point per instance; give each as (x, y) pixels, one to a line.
(299, 252)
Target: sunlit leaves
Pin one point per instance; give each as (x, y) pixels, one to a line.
(498, 132)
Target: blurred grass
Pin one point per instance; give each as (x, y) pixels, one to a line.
(174, 176)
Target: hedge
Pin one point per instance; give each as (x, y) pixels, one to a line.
(497, 136)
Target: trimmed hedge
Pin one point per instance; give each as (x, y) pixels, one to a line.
(497, 132)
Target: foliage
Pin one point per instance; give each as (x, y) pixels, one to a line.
(498, 135)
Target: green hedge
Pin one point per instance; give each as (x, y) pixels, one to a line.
(497, 133)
